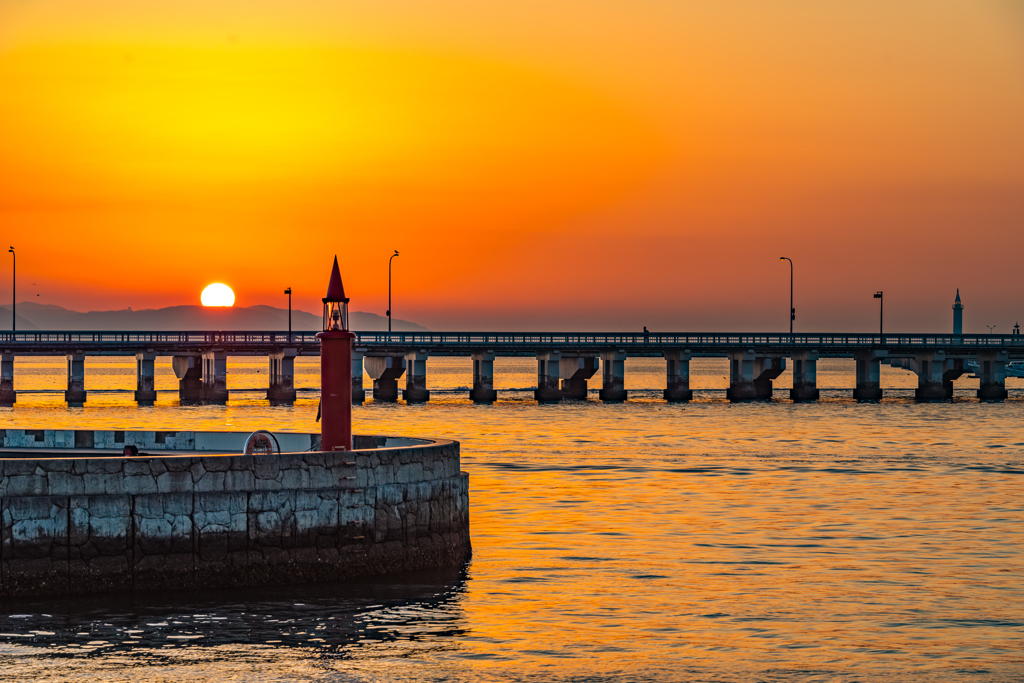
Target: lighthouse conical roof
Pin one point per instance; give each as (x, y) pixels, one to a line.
(958, 294)
(335, 289)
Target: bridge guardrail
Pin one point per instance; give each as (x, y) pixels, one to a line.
(611, 340)
(522, 340)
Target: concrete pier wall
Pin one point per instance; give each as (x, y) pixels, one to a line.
(483, 378)
(108, 523)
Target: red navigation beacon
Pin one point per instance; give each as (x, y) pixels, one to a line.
(335, 369)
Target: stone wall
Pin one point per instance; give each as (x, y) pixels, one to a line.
(92, 524)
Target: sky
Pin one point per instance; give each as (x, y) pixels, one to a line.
(539, 165)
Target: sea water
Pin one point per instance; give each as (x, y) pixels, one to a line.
(642, 541)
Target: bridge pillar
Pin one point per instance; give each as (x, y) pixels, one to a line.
(385, 371)
(483, 378)
(805, 376)
(741, 376)
(575, 370)
(613, 377)
(869, 374)
(358, 392)
(548, 390)
(930, 367)
(416, 377)
(766, 369)
(189, 372)
(75, 393)
(215, 377)
(8, 397)
(677, 371)
(145, 378)
(281, 389)
(953, 370)
(992, 373)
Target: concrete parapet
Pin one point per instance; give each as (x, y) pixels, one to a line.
(87, 525)
(75, 392)
(930, 367)
(281, 388)
(613, 377)
(574, 371)
(145, 378)
(992, 375)
(8, 396)
(358, 392)
(805, 376)
(677, 371)
(189, 371)
(483, 378)
(416, 378)
(215, 377)
(868, 371)
(548, 390)
(385, 371)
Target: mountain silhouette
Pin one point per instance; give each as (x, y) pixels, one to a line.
(33, 316)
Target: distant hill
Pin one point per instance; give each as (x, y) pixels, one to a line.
(33, 316)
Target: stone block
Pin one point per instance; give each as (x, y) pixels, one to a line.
(317, 517)
(162, 544)
(103, 465)
(34, 545)
(221, 537)
(216, 464)
(102, 483)
(239, 480)
(271, 535)
(140, 484)
(100, 555)
(267, 468)
(24, 485)
(211, 482)
(173, 482)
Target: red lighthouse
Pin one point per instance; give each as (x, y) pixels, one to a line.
(335, 368)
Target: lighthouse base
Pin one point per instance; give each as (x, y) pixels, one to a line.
(292, 517)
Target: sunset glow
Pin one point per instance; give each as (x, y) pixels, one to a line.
(218, 294)
(648, 160)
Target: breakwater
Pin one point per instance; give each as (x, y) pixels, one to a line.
(78, 517)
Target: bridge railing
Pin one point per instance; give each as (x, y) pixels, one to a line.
(107, 337)
(524, 340)
(697, 340)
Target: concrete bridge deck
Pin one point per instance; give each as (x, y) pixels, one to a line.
(257, 343)
(565, 360)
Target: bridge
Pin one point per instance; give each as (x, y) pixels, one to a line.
(565, 361)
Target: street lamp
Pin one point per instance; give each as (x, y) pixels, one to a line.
(990, 328)
(792, 311)
(878, 295)
(289, 293)
(389, 288)
(14, 287)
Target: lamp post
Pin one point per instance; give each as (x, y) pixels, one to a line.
(878, 295)
(990, 328)
(289, 293)
(14, 291)
(389, 288)
(792, 311)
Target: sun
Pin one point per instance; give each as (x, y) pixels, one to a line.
(217, 294)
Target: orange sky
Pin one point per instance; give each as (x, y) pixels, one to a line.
(540, 165)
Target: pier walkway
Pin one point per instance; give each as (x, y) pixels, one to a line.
(565, 361)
